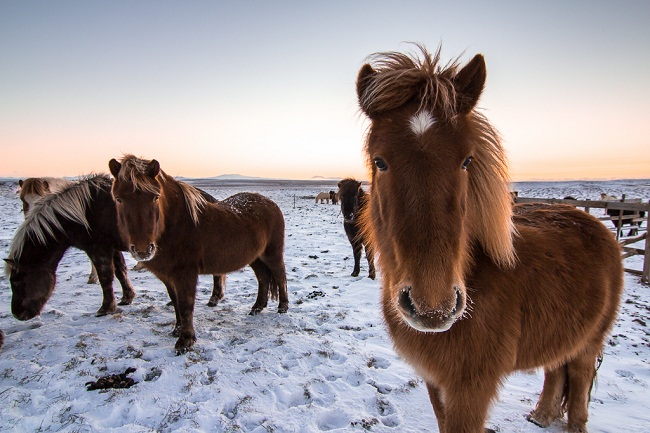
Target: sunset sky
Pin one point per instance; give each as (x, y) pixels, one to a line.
(267, 88)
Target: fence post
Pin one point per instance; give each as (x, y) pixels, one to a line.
(646, 257)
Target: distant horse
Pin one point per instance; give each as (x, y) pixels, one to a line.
(615, 213)
(334, 196)
(83, 216)
(178, 234)
(353, 201)
(33, 189)
(323, 196)
(500, 291)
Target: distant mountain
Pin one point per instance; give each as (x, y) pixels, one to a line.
(235, 177)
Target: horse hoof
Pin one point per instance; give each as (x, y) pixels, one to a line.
(539, 421)
(125, 302)
(184, 345)
(254, 312)
(92, 280)
(212, 304)
(105, 311)
(354, 274)
(371, 276)
(283, 309)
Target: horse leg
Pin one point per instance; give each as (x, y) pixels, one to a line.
(371, 263)
(581, 375)
(264, 279)
(466, 405)
(104, 265)
(279, 279)
(185, 291)
(435, 396)
(121, 273)
(92, 277)
(549, 406)
(356, 251)
(171, 291)
(218, 290)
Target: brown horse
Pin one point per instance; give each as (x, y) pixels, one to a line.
(170, 227)
(353, 201)
(504, 290)
(33, 189)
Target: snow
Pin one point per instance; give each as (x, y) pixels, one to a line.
(327, 365)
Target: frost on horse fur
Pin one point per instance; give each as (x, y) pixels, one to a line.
(472, 287)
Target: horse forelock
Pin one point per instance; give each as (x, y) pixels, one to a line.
(44, 218)
(134, 171)
(400, 78)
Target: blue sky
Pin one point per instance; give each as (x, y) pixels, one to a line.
(266, 88)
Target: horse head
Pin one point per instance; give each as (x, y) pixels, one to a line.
(425, 150)
(349, 192)
(31, 287)
(138, 193)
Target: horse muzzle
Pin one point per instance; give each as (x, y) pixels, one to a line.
(430, 320)
(143, 255)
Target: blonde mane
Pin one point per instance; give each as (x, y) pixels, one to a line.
(44, 219)
(400, 79)
(134, 171)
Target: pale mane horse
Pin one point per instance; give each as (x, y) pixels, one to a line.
(508, 288)
(323, 196)
(33, 189)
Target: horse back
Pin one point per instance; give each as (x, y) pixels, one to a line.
(232, 233)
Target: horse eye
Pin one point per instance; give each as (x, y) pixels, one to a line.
(156, 198)
(117, 199)
(467, 161)
(381, 164)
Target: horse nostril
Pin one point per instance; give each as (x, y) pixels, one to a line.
(406, 303)
(459, 301)
(132, 249)
(151, 248)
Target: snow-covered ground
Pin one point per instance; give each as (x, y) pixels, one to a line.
(327, 365)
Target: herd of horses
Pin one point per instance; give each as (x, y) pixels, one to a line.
(510, 287)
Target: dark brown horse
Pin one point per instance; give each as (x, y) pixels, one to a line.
(178, 235)
(353, 200)
(503, 291)
(83, 216)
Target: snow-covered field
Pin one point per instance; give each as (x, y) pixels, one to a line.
(327, 365)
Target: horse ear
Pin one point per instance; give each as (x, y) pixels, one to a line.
(153, 168)
(46, 185)
(114, 167)
(363, 81)
(469, 84)
(11, 262)
(20, 183)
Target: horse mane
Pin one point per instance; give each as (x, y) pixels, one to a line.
(44, 219)
(134, 171)
(399, 79)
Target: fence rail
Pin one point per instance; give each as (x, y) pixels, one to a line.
(637, 212)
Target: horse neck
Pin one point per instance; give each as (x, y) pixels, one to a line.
(362, 198)
(45, 256)
(174, 207)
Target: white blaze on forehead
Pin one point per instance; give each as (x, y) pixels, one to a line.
(421, 122)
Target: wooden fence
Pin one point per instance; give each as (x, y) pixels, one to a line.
(635, 209)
